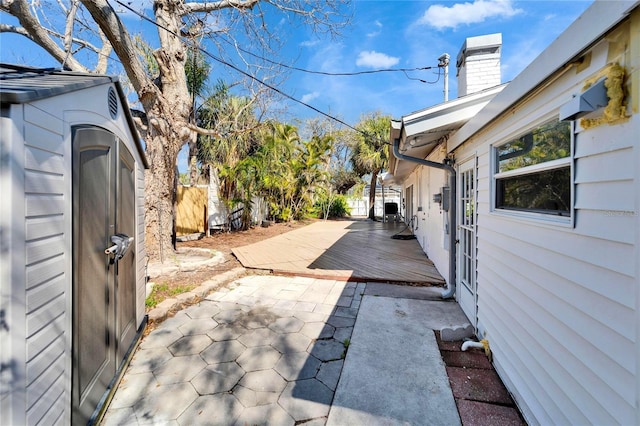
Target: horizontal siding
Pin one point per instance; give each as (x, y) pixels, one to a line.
(604, 139)
(43, 183)
(607, 225)
(566, 362)
(45, 314)
(610, 255)
(49, 404)
(605, 167)
(548, 290)
(559, 303)
(41, 388)
(43, 227)
(43, 161)
(46, 248)
(601, 282)
(43, 293)
(44, 205)
(606, 196)
(525, 372)
(55, 415)
(44, 271)
(43, 361)
(44, 337)
(42, 119)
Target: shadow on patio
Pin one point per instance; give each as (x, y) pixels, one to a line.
(355, 251)
(347, 250)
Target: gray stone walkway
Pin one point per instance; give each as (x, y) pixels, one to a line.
(264, 350)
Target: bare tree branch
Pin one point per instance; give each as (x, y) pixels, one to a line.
(124, 47)
(212, 6)
(68, 31)
(205, 132)
(103, 54)
(20, 9)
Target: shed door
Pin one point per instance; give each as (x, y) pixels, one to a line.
(103, 288)
(126, 267)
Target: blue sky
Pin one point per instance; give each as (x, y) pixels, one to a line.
(385, 34)
(413, 34)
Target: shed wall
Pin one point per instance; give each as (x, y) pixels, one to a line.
(36, 241)
(47, 173)
(558, 303)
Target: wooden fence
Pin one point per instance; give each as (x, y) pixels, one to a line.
(191, 210)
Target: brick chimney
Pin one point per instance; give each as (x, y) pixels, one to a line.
(478, 64)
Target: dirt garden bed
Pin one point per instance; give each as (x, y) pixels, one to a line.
(171, 284)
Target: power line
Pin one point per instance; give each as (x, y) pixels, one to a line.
(280, 64)
(256, 79)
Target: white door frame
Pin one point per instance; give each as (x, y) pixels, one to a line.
(466, 269)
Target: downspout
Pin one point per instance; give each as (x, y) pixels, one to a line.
(451, 284)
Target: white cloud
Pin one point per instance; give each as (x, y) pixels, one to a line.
(375, 59)
(309, 97)
(377, 31)
(309, 43)
(440, 17)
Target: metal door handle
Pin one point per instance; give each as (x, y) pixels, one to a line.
(121, 243)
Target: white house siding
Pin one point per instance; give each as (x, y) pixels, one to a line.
(558, 303)
(431, 221)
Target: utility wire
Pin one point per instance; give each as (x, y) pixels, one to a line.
(256, 79)
(291, 67)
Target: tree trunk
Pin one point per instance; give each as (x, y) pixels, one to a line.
(372, 195)
(193, 162)
(162, 154)
(168, 132)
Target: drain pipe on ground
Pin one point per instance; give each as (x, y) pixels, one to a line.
(451, 285)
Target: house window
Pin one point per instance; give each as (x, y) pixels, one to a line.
(533, 171)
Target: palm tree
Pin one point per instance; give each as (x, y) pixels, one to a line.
(234, 138)
(276, 173)
(291, 169)
(369, 153)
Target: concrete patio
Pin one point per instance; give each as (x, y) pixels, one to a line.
(271, 350)
(289, 349)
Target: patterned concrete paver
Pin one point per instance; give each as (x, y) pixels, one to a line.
(264, 350)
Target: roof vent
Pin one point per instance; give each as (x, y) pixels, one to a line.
(112, 99)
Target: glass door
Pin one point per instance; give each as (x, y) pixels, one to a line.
(466, 268)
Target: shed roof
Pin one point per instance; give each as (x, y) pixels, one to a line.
(22, 84)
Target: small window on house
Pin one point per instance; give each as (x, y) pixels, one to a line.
(533, 172)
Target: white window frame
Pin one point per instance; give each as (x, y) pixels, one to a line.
(542, 218)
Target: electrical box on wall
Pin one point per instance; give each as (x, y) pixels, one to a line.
(445, 198)
(442, 198)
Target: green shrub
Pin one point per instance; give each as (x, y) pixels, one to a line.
(338, 208)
